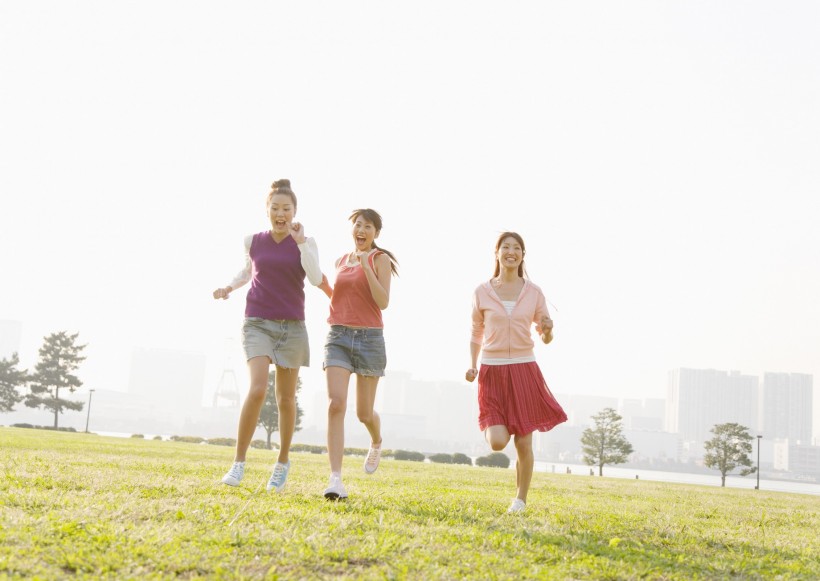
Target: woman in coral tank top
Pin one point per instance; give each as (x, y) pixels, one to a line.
(355, 343)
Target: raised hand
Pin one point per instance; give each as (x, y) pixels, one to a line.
(297, 232)
(364, 256)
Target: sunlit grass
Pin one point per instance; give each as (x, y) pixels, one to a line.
(93, 507)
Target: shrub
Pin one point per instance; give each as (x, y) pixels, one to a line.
(411, 456)
(188, 439)
(259, 444)
(496, 459)
(459, 458)
(308, 448)
(441, 458)
(158, 438)
(222, 441)
(355, 452)
(138, 436)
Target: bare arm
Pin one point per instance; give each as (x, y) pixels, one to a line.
(379, 280)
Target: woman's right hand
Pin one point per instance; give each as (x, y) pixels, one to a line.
(471, 374)
(222, 293)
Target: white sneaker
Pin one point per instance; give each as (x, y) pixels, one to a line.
(517, 505)
(373, 457)
(335, 490)
(234, 476)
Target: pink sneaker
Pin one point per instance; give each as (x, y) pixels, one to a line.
(373, 457)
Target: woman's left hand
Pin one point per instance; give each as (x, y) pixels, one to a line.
(297, 232)
(546, 329)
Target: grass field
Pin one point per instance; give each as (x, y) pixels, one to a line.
(86, 506)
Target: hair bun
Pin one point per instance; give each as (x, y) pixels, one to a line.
(281, 185)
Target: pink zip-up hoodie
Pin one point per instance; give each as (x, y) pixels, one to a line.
(506, 336)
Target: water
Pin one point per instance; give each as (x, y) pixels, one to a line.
(747, 482)
(581, 470)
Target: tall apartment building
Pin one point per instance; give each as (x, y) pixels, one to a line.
(698, 399)
(787, 407)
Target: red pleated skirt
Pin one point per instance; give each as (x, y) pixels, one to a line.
(517, 396)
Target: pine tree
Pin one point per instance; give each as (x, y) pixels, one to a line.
(269, 414)
(729, 449)
(60, 356)
(11, 378)
(605, 443)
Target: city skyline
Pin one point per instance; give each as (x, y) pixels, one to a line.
(168, 375)
(658, 160)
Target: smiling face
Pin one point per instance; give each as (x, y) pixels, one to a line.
(510, 254)
(281, 211)
(364, 233)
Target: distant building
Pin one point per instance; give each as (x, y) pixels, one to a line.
(804, 461)
(648, 414)
(801, 460)
(698, 399)
(787, 407)
(581, 408)
(173, 378)
(11, 334)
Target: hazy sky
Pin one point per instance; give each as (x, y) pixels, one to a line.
(660, 160)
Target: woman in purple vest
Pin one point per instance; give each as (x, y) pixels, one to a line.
(276, 263)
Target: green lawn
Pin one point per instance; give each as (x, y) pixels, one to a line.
(86, 506)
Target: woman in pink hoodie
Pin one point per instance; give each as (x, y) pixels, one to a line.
(513, 397)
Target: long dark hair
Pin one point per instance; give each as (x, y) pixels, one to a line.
(522, 272)
(281, 187)
(374, 218)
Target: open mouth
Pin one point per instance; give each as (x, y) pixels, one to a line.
(361, 240)
(280, 223)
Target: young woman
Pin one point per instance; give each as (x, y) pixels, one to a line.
(355, 343)
(276, 263)
(513, 398)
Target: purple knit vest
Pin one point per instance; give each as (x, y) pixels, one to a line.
(277, 279)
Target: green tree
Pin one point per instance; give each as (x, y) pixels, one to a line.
(11, 378)
(269, 415)
(729, 449)
(605, 443)
(60, 356)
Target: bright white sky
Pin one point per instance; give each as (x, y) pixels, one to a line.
(660, 160)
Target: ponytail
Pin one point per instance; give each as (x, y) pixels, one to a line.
(393, 262)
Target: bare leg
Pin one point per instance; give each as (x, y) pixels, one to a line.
(497, 437)
(365, 399)
(286, 402)
(337, 382)
(524, 464)
(248, 418)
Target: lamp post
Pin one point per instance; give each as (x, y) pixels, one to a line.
(88, 411)
(757, 486)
